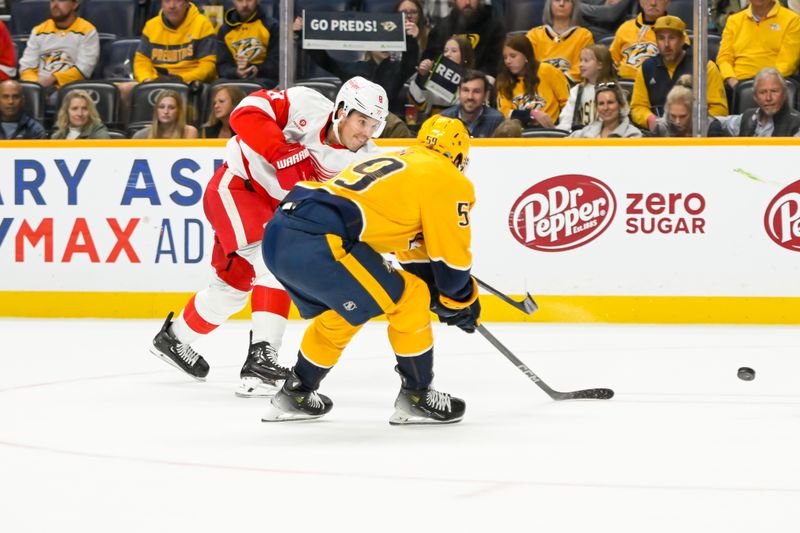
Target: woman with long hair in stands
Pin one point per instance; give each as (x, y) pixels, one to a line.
(224, 99)
(527, 90)
(78, 118)
(612, 115)
(169, 119)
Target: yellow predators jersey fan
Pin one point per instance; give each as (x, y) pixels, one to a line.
(448, 136)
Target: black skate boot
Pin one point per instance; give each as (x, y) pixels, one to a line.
(261, 372)
(170, 349)
(290, 403)
(427, 406)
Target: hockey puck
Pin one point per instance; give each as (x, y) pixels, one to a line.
(746, 374)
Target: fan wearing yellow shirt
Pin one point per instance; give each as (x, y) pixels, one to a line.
(324, 245)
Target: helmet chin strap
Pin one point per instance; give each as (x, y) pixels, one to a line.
(335, 124)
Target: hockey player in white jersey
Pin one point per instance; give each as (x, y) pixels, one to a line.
(282, 137)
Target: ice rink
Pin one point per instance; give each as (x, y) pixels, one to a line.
(97, 435)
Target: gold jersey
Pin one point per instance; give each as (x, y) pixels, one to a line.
(414, 203)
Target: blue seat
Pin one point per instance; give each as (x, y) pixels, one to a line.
(117, 59)
(143, 99)
(524, 14)
(120, 17)
(320, 5)
(684, 10)
(25, 14)
(34, 100)
(105, 96)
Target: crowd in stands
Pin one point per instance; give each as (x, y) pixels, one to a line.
(577, 68)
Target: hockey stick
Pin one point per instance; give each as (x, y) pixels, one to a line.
(586, 394)
(527, 306)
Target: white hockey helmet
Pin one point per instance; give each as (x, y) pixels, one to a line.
(364, 96)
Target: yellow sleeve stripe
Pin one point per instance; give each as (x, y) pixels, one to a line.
(453, 304)
(361, 274)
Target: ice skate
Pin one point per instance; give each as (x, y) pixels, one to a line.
(290, 403)
(262, 373)
(168, 348)
(427, 406)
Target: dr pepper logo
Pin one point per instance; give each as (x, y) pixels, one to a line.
(782, 219)
(562, 213)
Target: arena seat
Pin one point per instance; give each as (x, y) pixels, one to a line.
(544, 133)
(105, 96)
(117, 59)
(119, 17)
(143, 99)
(378, 6)
(330, 90)
(524, 14)
(743, 95)
(34, 100)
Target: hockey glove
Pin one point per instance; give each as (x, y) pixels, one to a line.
(292, 163)
(467, 318)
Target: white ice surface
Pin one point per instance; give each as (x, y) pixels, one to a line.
(97, 435)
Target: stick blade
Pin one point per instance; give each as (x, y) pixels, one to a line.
(586, 394)
(529, 305)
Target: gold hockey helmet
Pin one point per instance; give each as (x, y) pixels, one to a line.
(448, 136)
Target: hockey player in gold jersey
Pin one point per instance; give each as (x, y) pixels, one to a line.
(324, 245)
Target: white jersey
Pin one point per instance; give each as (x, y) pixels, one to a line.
(266, 119)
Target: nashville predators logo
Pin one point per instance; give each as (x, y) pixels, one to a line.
(560, 63)
(248, 48)
(416, 242)
(473, 39)
(388, 26)
(56, 61)
(638, 52)
(528, 102)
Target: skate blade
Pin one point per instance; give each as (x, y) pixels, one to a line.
(252, 387)
(171, 362)
(401, 418)
(275, 414)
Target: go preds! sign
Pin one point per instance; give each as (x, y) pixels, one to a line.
(562, 213)
(782, 219)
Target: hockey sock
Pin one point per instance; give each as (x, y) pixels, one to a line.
(416, 371)
(270, 310)
(310, 374)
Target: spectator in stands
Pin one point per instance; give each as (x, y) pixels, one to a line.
(178, 44)
(509, 128)
(395, 128)
(14, 123)
(474, 20)
(603, 17)
(247, 44)
(659, 73)
(765, 34)
(169, 119)
(416, 22)
(62, 49)
(78, 119)
(378, 67)
(527, 90)
(635, 39)
(612, 115)
(561, 38)
(472, 109)
(458, 50)
(596, 66)
(677, 119)
(8, 54)
(773, 116)
(224, 99)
